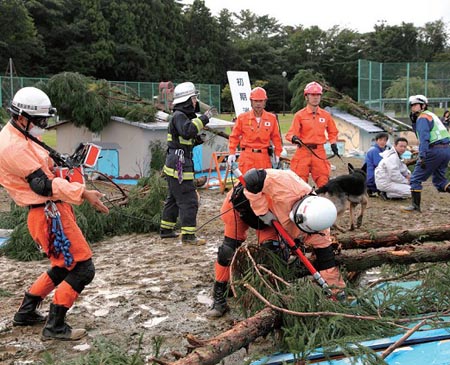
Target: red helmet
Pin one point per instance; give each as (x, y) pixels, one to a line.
(258, 93)
(313, 88)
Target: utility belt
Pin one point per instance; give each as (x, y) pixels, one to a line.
(173, 151)
(254, 150)
(32, 206)
(439, 144)
(310, 146)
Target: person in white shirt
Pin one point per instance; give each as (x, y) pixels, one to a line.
(392, 175)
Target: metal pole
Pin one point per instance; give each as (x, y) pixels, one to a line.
(284, 74)
(11, 79)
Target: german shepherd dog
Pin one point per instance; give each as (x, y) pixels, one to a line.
(350, 188)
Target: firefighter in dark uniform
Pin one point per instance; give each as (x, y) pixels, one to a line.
(183, 134)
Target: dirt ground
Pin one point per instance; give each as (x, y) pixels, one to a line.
(160, 289)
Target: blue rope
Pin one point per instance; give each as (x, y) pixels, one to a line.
(61, 242)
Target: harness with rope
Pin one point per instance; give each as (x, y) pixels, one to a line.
(58, 241)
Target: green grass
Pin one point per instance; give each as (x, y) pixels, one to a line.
(49, 138)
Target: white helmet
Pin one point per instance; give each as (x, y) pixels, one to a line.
(418, 99)
(183, 92)
(313, 214)
(34, 105)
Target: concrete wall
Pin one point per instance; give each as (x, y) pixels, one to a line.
(348, 133)
(133, 141)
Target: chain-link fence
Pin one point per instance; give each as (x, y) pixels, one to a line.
(386, 87)
(209, 93)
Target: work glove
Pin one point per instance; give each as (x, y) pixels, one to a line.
(231, 159)
(268, 218)
(211, 112)
(334, 148)
(296, 140)
(204, 118)
(422, 163)
(200, 139)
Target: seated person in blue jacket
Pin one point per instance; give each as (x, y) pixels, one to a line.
(373, 158)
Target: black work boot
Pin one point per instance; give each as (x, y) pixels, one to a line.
(27, 315)
(56, 327)
(220, 306)
(415, 203)
(168, 233)
(191, 239)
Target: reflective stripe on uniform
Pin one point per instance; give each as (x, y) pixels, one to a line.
(186, 142)
(198, 123)
(174, 173)
(167, 225)
(181, 140)
(188, 230)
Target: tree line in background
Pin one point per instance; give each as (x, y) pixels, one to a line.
(161, 40)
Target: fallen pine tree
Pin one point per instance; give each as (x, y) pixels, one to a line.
(308, 320)
(391, 238)
(361, 260)
(212, 351)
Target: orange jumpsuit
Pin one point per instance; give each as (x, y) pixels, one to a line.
(254, 139)
(282, 189)
(236, 228)
(313, 129)
(19, 157)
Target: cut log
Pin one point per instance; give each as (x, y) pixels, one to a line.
(406, 255)
(359, 260)
(241, 335)
(384, 239)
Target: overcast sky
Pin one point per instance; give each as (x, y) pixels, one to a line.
(359, 15)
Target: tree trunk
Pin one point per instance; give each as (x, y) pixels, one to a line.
(241, 335)
(212, 351)
(383, 239)
(406, 255)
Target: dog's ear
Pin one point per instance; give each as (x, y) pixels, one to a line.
(350, 168)
(364, 167)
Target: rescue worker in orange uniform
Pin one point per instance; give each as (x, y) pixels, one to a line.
(276, 195)
(253, 132)
(26, 172)
(310, 129)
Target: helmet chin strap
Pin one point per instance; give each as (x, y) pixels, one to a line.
(24, 129)
(20, 124)
(28, 127)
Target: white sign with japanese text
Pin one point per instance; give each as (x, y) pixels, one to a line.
(240, 90)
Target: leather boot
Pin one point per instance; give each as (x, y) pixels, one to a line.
(415, 202)
(27, 315)
(191, 239)
(220, 306)
(56, 327)
(200, 182)
(168, 233)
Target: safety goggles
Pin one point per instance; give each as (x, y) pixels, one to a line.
(40, 122)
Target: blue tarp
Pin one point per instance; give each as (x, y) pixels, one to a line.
(197, 157)
(3, 240)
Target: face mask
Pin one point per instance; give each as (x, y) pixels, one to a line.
(36, 131)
